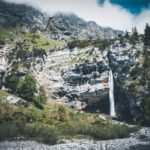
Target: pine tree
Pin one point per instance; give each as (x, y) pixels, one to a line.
(134, 37)
(146, 41)
(127, 36)
(147, 36)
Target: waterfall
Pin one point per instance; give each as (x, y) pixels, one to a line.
(111, 94)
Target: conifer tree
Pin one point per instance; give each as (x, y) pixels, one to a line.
(147, 36)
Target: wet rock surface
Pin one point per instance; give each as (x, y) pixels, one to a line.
(137, 141)
(126, 63)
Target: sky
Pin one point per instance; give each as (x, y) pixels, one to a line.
(118, 14)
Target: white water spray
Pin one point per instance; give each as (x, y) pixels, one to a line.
(111, 94)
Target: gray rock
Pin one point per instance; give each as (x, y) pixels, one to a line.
(137, 141)
(15, 100)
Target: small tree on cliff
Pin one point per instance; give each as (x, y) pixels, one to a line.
(127, 35)
(27, 88)
(41, 98)
(62, 113)
(134, 37)
(12, 82)
(147, 36)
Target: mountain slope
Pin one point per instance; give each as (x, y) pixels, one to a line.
(59, 26)
(78, 76)
(12, 15)
(72, 27)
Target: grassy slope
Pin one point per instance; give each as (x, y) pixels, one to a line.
(6, 34)
(53, 122)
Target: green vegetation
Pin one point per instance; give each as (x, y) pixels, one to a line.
(144, 117)
(13, 35)
(6, 35)
(53, 122)
(41, 42)
(145, 106)
(146, 39)
(134, 37)
(26, 88)
(41, 98)
(12, 82)
(79, 44)
(50, 122)
(21, 131)
(39, 52)
(102, 44)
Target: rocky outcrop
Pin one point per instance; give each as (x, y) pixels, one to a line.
(79, 78)
(4, 52)
(127, 65)
(76, 77)
(15, 100)
(70, 27)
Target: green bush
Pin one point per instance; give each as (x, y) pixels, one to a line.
(144, 117)
(62, 114)
(39, 52)
(79, 44)
(2, 42)
(37, 131)
(101, 43)
(41, 98)
(27, 88)
(53, 122)
(83, 126)
(12, 82)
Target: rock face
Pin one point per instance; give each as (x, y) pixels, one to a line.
(127, 65)
(15, 100)
(12, 15)
(4, 50)
(79, 78)
(66, 27)
(76, 77)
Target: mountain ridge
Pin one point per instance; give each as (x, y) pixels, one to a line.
(60, 26)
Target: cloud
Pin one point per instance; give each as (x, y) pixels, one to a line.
(108, 14)
(133, 6)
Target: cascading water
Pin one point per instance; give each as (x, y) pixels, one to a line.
(111, 94)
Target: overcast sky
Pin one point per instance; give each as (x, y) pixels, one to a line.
(118, 14)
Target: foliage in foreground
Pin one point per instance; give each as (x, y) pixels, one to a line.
(36, 131)
(54, 122)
